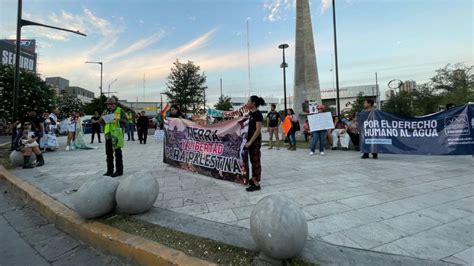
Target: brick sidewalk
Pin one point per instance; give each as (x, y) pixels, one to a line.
(417, 206)
(28, 239)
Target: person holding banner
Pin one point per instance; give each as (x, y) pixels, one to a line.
(318, 135)
(368, 107)
(254, 143)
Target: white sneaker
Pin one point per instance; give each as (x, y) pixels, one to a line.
(67, 148)
(311, 153)
(322, 153)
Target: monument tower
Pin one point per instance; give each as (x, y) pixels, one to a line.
(306, 86)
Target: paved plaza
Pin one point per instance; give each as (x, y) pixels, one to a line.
(415, 206)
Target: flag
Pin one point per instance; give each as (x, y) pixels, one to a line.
(165, 110)
(287, 125)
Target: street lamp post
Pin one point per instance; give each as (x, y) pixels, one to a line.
(335, 57)
(110, 84)
(101, 73)
(284, 65)
(19, 24)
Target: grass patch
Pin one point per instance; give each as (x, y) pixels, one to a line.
(5, 157)
(191, 245)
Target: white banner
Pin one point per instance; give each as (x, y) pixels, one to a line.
(320, 121)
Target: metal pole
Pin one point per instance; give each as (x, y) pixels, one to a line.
(284, 80)
(335, 56)
(248, 54)
(204, 99)
(101, 101)
(378, 92)
(161, 104)
(16, 88)
(221, 90)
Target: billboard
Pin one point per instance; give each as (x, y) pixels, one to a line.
(27, 55)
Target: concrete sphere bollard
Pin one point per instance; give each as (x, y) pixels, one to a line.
(279, 227)
(136, 193)
(16, 158)
(96, 197)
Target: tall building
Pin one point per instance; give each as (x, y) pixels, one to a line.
(306, 86)
(348, 95)
(58, 83)
(408, 86)
(238, 102)
(389, 93)
(80, 93)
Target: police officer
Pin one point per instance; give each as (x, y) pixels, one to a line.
(114, 121)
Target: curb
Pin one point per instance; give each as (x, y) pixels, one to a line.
(102, 237)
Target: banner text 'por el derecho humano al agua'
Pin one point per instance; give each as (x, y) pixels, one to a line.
(213, 150)
(446, 133)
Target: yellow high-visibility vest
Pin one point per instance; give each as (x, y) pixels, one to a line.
(109, 127)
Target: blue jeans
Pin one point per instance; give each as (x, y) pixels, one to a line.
(318, 135)
(292, 138)
(130, 129)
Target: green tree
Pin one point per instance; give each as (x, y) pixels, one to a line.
(400, 103)
(224, 103)
(425, 100)
(68, 104)
(34, 93)
(186, 86)
(455, 83)
(358, 105)
(95, 105)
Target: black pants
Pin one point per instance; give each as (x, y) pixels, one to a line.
(142, 134)
(253, 152)
(355, 140)
(109, 150)
(94, 131)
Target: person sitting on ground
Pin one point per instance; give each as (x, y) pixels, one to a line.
(27, 144)
(306, 130)
(340, 133)
(353, 132)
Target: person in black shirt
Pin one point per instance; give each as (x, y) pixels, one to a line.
(274, 120)
(368, 107)
(95, 126)
(176, 112)
(142, 127)
(38, 123)
(254, 143)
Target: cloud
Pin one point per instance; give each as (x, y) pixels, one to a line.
(274, 8)
(325, 4)
(277, 8)
(137, 46)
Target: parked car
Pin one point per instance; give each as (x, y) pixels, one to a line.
(87, 126)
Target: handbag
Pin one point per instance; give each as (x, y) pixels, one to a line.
(52, 141)
(296, 126)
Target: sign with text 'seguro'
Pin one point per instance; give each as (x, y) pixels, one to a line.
(445, 133)
(214, 150)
